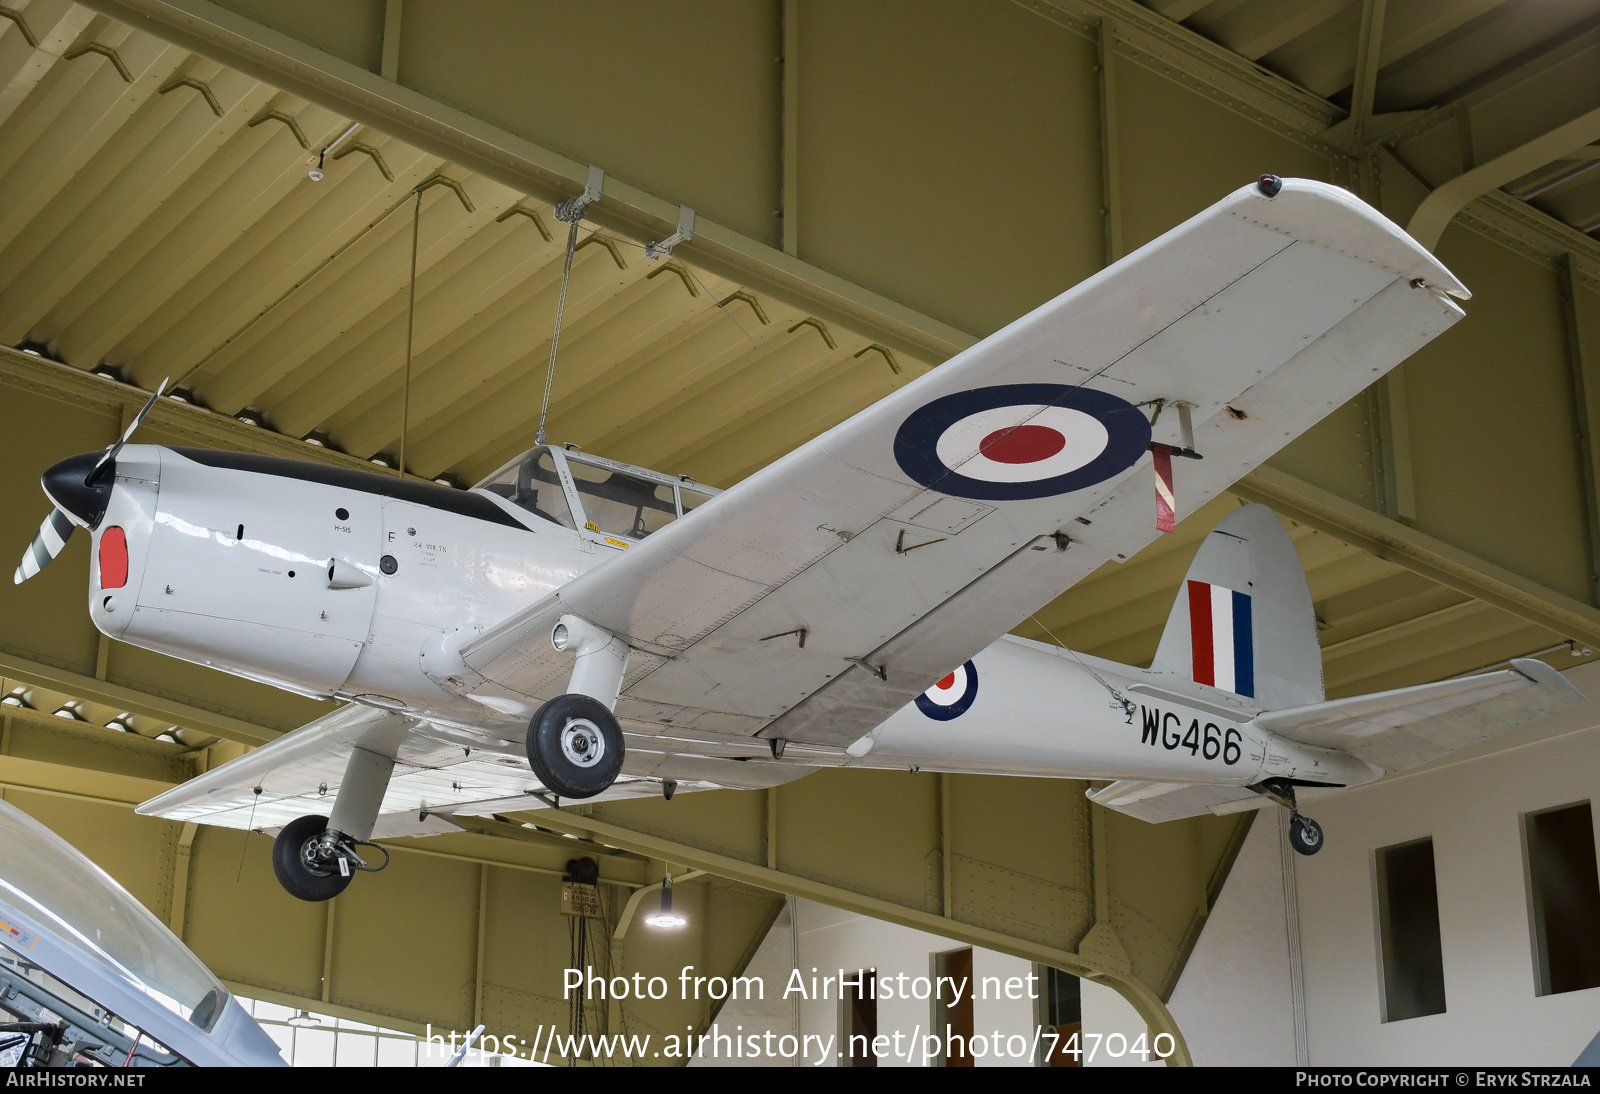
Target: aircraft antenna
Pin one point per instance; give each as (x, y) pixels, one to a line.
(1123, 701)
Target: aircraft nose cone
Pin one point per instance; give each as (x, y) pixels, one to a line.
(64, 483)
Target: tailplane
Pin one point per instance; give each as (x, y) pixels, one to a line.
(1243, 621)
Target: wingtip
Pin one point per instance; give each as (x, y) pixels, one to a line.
(1320, 212)
(1542, 672)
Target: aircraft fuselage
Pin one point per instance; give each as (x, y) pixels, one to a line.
(337, 583)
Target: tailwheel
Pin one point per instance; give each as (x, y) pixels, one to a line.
(575, 746)
(303, 869)
(1305, 835)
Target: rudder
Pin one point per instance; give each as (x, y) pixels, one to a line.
(1243, 621)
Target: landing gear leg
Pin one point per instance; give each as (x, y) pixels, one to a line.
(315, 857)
(575, 745)
(1305, 834)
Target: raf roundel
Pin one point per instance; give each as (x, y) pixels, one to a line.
(952, 696)
(1015, 442)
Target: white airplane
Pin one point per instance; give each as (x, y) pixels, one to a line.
(577, 628)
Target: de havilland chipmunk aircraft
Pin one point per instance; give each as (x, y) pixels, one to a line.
(576, 628)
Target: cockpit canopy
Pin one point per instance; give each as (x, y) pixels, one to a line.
(576, 490)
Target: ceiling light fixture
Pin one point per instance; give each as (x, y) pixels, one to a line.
(664, 918)
(305, 1019)
(66, 711)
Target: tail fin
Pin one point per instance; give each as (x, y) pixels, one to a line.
(1243, 621)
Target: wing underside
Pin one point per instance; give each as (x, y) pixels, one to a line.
(434, 776)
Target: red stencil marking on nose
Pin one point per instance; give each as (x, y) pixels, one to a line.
(947, 683)
(113, 558)
(1022, 444)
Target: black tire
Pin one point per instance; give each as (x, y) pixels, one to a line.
(575, 746)
(296, 878)
(1305, 835)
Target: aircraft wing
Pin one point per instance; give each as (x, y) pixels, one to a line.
(827, 590)
(435, 776)
(1403, 729)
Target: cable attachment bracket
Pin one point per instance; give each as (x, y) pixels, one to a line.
(571, 211)
(683, 233)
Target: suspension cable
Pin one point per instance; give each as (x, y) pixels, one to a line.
(570, 213)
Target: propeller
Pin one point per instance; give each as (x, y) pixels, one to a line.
(77, 500)
(107, 462)
(47, 544)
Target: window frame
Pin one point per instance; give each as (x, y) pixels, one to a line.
(564, 457)
(1381, 926)
(616, 541)
(1537, 943)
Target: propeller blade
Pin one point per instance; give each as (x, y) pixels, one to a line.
(111, 453)
(46, 545)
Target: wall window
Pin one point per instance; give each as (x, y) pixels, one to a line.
(858, 1004)
(1408, 928)
(1564, 898)
(312, 1039)
(1060, 1011)
(952, 1008)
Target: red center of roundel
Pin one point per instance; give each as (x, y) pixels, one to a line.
(1022, 444)
(947, 683)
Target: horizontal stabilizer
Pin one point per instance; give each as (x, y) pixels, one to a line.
(1403, 729)
(1157, 802)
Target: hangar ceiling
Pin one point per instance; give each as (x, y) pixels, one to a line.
(876, 187)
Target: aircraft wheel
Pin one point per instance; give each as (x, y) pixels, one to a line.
(575, 746)
(1305, 835)
(290, 861)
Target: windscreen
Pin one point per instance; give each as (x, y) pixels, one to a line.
(532, 483)
(47, 879)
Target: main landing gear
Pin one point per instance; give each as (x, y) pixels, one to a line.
(575, 745)
(315, 857)
(1305, 834)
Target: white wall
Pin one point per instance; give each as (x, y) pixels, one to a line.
(772, 963)
(1472, 808)
(1233, 1001)
(829, 940)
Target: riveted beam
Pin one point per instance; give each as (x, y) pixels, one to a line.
(136, 701)
(1421, 553)
(1440, 207)
(84, 784)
